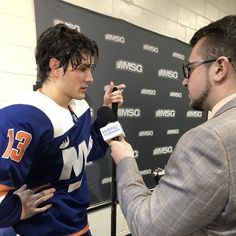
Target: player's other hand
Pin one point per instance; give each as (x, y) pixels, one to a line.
(32, 198)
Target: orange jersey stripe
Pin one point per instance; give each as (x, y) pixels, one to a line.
(81, 232)
(4, 189)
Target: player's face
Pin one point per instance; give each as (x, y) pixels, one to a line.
(75, 82)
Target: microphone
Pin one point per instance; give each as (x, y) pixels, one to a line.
(114, 105)
(110, 128)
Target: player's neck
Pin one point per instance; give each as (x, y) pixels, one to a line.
(56, 96)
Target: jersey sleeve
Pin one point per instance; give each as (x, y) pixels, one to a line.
(19, 141)
(99, 145)
(10, 209)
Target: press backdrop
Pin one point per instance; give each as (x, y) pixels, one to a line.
(156, 109)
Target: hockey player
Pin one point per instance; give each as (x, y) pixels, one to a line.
(46, 137)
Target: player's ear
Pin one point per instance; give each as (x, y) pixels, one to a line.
(54, 66)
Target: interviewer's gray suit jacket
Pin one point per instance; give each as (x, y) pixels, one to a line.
(197, 195)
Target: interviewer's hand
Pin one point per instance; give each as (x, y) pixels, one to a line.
(120, 150)
(31, 199)
(113, 97)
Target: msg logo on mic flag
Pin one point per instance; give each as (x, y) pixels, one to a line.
(112, 130)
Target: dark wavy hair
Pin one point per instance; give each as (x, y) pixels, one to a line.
(65, 44)
(220, 39)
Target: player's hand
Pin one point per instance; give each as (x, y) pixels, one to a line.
(113, 97)
(32, 198)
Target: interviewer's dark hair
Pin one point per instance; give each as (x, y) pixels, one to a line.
(220, 39)
(66, 45)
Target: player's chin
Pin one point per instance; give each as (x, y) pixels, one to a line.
(80, 96)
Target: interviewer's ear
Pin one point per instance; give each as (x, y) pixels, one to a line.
(221, 68)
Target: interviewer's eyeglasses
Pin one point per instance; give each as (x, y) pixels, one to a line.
(188, 67)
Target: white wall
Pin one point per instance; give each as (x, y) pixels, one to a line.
(173, 18)
(17, 42)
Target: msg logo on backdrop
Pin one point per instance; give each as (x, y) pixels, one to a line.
(151, 92)
(115, 38)
(168, 74)
(129, 66)
(162, 150)
(176, 94)
(145, 172)
(165, 113)
(172, 131)
(194, 114)
(106, 180)
(150, 48)
(178, 55)
(146, 133)
(129, 112)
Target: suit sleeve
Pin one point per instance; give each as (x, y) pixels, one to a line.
(191, 194)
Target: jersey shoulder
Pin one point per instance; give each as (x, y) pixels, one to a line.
(37, 108)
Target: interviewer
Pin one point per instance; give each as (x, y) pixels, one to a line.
(197, 195)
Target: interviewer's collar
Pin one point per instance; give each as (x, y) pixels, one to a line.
(220, 104)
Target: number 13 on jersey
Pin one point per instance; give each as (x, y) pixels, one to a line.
(23, 140)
